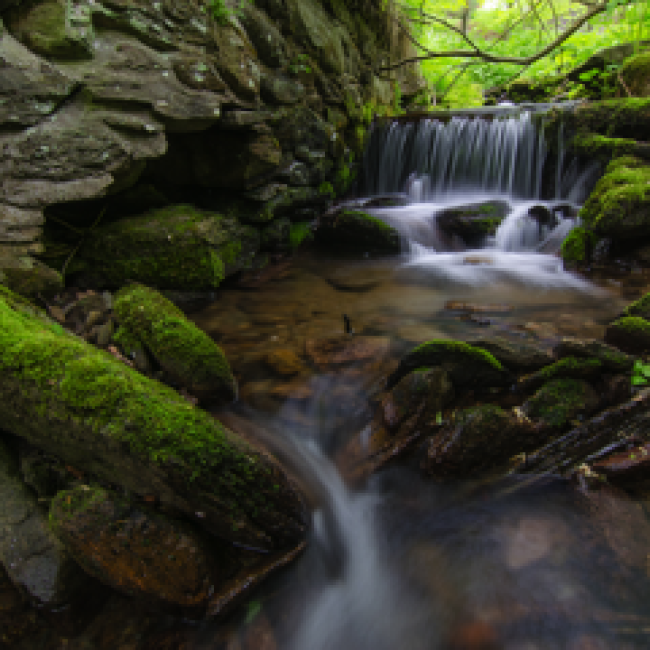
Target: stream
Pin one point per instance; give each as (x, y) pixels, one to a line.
(399, 561)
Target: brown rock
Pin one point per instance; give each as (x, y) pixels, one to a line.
(135, 550)
(627, 469)
(285, 362)
(345, 350)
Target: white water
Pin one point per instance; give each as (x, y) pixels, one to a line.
(472, 161)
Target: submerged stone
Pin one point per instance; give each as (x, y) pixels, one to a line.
(186, 354)
(79, 403)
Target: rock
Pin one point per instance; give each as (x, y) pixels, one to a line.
(603, 434)
(634, 73)
(421, 394)
(102, 417)
(285, 362)
(618, 204)
(265, 35)
(28, 276)
(627, 469)
(32, 556)
(278, 89)
(515, 354)
(357, 231)
(297, 173)
(560, 401)
(640, 307)
(611, 358)
(473, 222)
(17, 619)
(105, 333)
(630, 334)
(276, 237)
(468, 366)
(178, 247)
(331, 353)
(136, 550)
(45, 474)
(183, 351)
(480, 439)
(568, 367)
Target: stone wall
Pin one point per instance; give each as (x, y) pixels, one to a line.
(114, 107)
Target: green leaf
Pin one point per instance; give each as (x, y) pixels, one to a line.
(254, 608)
(639, 381)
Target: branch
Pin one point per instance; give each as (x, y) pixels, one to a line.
(478, 53)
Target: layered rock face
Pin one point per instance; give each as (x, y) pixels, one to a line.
(111, 109)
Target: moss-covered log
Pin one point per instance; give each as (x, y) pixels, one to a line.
(81, 404)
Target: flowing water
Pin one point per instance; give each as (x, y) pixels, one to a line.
(400, 562)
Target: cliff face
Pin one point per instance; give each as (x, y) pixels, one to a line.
(115, 107)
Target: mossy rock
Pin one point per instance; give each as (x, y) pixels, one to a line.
(82, 405)
(640, 307)
(357, 231)
(635, 72)
(276, 237)
(627, 118)
(591, 145)
(29, 277)
(480, 439)
(136, 550)
(468, 366)
(569, 367)
(188, 355)
(578, 245)
(178, 247)
(473, 222)
(560, 401)
(630, 334)
(619, 205)
(611, 358)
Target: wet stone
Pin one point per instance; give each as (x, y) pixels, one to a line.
(611, 358)
(515, 354)
(344, 350)
(284, 362)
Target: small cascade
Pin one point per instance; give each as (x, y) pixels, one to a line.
(431, 159)
(472, 160)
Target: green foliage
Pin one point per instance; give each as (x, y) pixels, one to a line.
(300, 63)
(640, 373)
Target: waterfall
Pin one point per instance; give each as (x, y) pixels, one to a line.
(471, 160)
(431, 159)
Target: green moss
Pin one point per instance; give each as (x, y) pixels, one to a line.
(569, 366)
(640, 307)
(79, 402)
(458, 347)
(577, 245)
(182, 349)
(299, 233)
(591, 145)
(558, 402)
(636, 72)
(633, 324)
(326, 189)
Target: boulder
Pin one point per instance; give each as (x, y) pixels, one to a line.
(635, 72)
(480, 439)
(79, 403)
(136, 550)
(560, 401)
(611, 358)
(629, 333)
(567, 367)
(357, 231)
(473, 222)
(34, 559)
(468, 366)
(618, 205)
(518, 355)
(188, 355)
(178, 247)
(640, 307)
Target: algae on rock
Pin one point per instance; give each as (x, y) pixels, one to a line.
(185, 353)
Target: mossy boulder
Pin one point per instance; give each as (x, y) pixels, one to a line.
(592, 145)
(357, 231)
(640, 307)
(611, 358)
(630, 334)
(473, 222)
(619, 205)
(560, 401)
(635, 72)
(518, 355)
(468, 366)
(578, 245)
(178, 247)
(568, 367)
(626, 118)
(136, 550)
(480, 439)
(81, 404)
(28, 276)
(188, 355)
